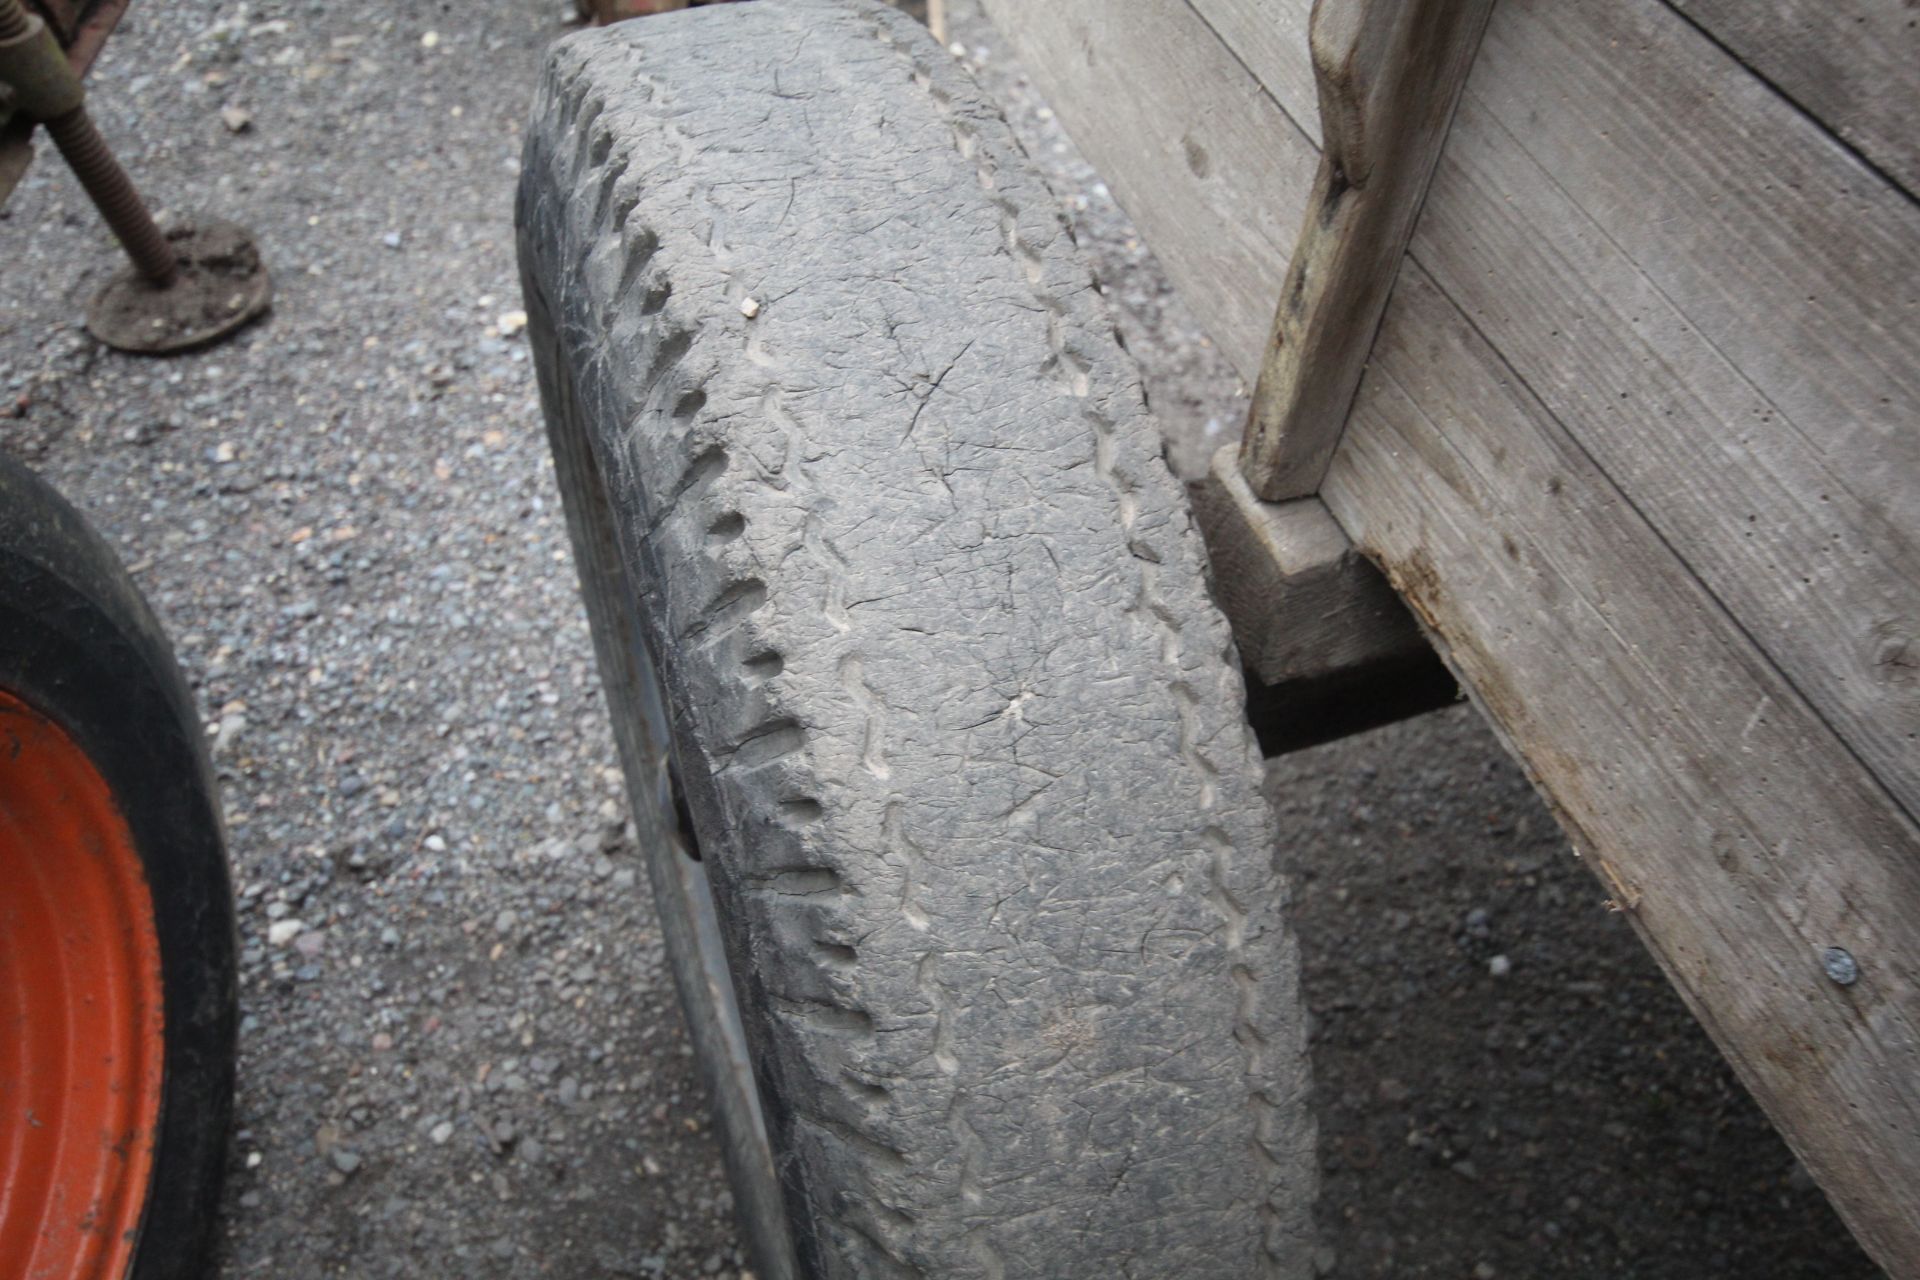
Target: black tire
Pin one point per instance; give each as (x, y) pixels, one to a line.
(899, 608)
(79, 645)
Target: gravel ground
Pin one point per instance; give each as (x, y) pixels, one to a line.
(461, 1053)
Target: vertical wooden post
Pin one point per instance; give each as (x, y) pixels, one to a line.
(1389, 73)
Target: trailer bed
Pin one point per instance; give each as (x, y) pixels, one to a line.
(1637, 441)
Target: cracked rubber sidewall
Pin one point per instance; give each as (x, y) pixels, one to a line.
(961, 733)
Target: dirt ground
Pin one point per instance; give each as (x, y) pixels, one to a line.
(461, 1053)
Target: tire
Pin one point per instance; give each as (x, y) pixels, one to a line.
(103, 765)
(934, 739)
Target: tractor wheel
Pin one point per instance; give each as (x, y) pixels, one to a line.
(933, 736)
(117, 977)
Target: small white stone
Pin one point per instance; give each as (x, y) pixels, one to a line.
(512, 322)
(1499, 966)
(749, 307)
(430, 39)
(282, 932)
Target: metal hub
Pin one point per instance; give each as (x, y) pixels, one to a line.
(82, 1042)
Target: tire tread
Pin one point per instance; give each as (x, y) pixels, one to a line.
(908, 1155)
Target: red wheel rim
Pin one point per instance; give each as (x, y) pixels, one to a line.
(81, 1045)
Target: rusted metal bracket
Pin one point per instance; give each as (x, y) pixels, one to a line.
(82, 27)
(42, 82)
(1389, 73)
(45, 88)
(190, 285)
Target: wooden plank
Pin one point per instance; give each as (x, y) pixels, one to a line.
(1389, 74)
(1666, 227)
(1270, 37)
(1327, 647)
(1854, 65)
(1206, 162)
(1303, 603)
(1723, 812)
(1732, 343)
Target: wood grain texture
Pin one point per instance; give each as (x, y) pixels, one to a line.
(1202, 157)
(1269, 37)
(1303, 603)
(1726, 316)
(1852, 64)
(1646, 458)
(1722, 810)
(1389, 73)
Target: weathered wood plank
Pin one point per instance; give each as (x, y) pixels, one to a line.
(1696, 690)
(1269, 37)
(1852, 64)
(1389, 73)
(1327, 647)
(1303, 603)
(1725, 814)
(1734, 345)
(1200, 155)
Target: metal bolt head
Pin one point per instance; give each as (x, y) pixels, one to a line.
(1840, 965)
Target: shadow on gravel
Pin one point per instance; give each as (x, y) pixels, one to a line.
(1507, 1084)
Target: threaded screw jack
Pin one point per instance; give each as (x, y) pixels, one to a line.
(113, 194)
(105, 182)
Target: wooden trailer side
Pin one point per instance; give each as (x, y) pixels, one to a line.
(1848, 63)
(1640, 441)
(1211, 165)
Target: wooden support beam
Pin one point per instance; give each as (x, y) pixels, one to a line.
(1327, 646)
(1303, 603)
(1389, 73)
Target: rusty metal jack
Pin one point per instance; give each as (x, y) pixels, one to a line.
(190, 285)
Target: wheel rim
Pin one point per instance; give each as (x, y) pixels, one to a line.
(684, 897)
(81, 1033)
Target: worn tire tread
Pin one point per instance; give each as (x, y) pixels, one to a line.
(958, 724)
